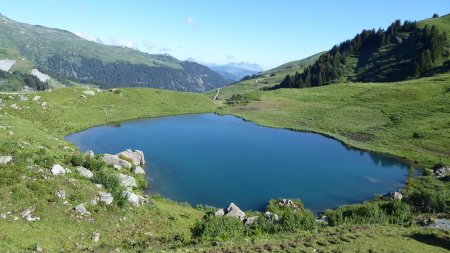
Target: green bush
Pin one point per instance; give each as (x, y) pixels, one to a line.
(295, 220)
(141, 182)
(112, 183)
(427, 201)
(218, 228)
(75, 159)
(94, 164)
(398, 212)
(44, 159)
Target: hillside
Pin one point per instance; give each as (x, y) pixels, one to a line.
(65, 56)
(402, 51)
(235, 71)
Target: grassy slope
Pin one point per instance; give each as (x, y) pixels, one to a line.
(378, 117)
(34, 127)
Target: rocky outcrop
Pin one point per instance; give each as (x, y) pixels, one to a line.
(57, 169)
(250, 220)
(127, 181)
(231, 211)
(393, 196)
(136, 156)
(105, 197)
(441, 172)
(5, 159)
(85, 172)
(288, 203)
(114, 160)
(138, 170)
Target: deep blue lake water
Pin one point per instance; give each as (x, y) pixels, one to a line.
(214, 160)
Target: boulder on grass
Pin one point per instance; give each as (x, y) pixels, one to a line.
(114, 160)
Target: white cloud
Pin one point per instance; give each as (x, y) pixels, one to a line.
(164, 49)
(122, 43)
(190, 21)
(230, 57)
(148, 46)
(89, 37)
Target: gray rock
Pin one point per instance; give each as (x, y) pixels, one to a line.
(95, 237)
(28, 214)
(138, 170)
(288, 203)
(116, 161)
(81, 209)
(441, 172)
(60, 193)
(5, 159)
(271, 216)
(23, 98)
(44, 104)
(136, 156)
(85, 172)
(134, 199)
(57, 169)
(127, 181)
(219, 213)
(443, 224)
(234, 211)
(105, 197)
(14, 106)
(89, 92)
(27, 211)
(250, 220)
(393, 196)
(36, 98)
(90, 153)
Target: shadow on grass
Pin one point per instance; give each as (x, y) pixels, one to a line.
(432, 239)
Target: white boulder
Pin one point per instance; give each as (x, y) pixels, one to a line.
(85, 172)
(105, 197)
(57, 169)
(136, 156)
(138, 170)
(116, 161)
(5, 159)
(127, 181)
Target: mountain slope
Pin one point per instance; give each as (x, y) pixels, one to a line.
(66, 56)
(235, 71)
(402, 51)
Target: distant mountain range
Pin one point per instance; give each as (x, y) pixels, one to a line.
(233, 71)
(67, 57)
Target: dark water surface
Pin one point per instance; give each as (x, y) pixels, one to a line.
(214, 160)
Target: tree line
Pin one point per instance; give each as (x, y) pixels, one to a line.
(428, 44)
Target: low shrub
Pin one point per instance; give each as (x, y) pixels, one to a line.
(427, 201)
(44, 159)
(94, 164)
(218, 228)
(398, 212)
(297, 220)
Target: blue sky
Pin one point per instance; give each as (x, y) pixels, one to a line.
(265, 32)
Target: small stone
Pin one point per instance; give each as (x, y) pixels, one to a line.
(93, 202)
(36, 98)
(115, 160)
(81, 209)
(441, 172)
(44, 104)
(14, 106)
(57, 169)
(271, 216)
(393, 196)
(60, 193)
(23, 98)
(95, 237)
(5, 159)
(234, 211)
(27, 211)
(250, 220)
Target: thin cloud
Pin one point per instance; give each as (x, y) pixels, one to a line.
(230, 57)
(123, 43)
(89, 37)
(191, 22)
(164, 49)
